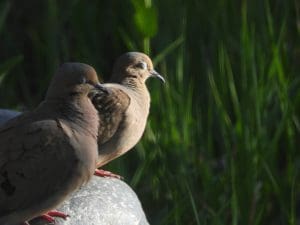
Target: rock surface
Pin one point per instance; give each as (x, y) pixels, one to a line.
(6, 115)
(103, 201)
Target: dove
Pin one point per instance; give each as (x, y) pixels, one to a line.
(100, 201)
(123, 107)
(48, 153)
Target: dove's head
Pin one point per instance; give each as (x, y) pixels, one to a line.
(72, 79)
(134, 66)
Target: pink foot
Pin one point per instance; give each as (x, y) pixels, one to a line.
(49, 216)
(104, 173)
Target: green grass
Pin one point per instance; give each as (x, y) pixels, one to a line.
(221, 142)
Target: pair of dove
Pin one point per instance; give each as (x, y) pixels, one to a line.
(48, 153)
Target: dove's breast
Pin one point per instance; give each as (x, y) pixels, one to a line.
(133, 126)
(130, 129)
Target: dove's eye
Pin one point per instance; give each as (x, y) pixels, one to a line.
(141, 65)
(83, 80)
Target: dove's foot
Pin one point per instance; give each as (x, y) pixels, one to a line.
(104, 173)
(49, 216)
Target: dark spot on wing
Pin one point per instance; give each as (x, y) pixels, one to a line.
(35, 131)
(6, 186)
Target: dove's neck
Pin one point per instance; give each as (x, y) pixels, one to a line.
(136, 85)
(140, 91)
(77, 112)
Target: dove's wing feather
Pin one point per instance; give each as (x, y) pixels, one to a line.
(8, 139)
(111, 104)
(26, 177)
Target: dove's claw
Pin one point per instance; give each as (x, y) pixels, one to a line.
(104, 173)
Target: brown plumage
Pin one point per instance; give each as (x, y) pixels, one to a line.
(123, 106)
(49, 152)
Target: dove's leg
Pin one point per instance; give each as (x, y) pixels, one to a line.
(49, 216)
(104, 173)
(54, 213)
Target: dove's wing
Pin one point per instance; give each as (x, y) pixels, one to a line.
(111, 104)
(33, 169)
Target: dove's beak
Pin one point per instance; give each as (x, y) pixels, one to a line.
(98, 86)
(101, 87)
(153, 73)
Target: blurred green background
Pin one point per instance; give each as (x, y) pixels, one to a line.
(222, 142)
